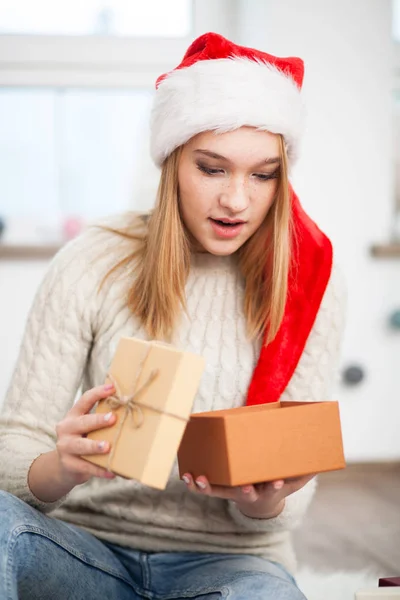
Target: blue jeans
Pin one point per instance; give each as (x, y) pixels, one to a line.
(42, 558)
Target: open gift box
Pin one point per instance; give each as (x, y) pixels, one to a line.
(267, 442)
(155, 388)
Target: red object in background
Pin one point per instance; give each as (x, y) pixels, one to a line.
(71, 227)
(389, 582)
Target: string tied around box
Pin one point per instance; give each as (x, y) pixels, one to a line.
(133, 407)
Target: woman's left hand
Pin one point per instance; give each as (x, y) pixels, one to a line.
(259, 501)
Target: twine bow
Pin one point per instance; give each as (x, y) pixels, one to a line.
(133, 407)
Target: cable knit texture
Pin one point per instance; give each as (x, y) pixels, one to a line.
(71, 335)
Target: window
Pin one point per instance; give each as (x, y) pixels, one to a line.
(97, 17)
(396, 20)
(71, 152)
(76, 87)
(396, 98)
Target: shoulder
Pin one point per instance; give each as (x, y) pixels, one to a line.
(98, 248)
(76, 273)
(327, 332)
(317, 370)
(332, 310)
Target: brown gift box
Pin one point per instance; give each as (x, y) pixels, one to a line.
(145, 439)
(260, 443)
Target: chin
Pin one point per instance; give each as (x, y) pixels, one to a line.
(224, 248)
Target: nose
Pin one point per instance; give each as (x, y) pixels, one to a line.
(235, 198)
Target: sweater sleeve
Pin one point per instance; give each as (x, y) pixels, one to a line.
(312, 381)
(50, 365)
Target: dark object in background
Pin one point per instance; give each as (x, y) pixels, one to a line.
(394, 320)
(389, 582)
(2, 226)
(353, 375)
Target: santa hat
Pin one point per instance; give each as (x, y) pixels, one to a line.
(222, 86)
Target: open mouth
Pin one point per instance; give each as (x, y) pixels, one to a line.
(228, 224)
(226, 228)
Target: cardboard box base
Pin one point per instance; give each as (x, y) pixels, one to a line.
(262, 443)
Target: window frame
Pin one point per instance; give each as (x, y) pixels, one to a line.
(105, 63)
(101, 61)
(396, 89)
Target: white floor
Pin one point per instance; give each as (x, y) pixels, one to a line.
(335, 586)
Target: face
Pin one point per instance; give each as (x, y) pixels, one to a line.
(227, 184)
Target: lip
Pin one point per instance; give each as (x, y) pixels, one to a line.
(225, 220)
(227, 232)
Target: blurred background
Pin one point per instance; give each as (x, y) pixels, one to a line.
(76, 86)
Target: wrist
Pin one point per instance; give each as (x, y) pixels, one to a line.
(255, 511)
(46, 478)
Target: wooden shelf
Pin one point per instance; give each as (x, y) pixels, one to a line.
(28, 252)
(390, 250)
(47, 251)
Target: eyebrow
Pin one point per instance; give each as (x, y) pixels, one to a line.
(268, 161)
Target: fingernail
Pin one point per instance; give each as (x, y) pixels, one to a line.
(201, 484)
(246, 489)
(108, 387)
(108, 416)
(186, 479)
(278, 485)
(102, 446)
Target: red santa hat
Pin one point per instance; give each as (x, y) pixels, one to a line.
(221, 86)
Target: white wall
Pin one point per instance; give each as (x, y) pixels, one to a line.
(344, 180)
(18, 283)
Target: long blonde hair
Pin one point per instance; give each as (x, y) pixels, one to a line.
(160, 260)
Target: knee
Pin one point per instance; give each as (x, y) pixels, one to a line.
(284, 590)
(295, 594)
(17, 518)
(261, 586)
(14, 513)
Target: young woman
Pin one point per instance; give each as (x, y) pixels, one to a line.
(227, 265)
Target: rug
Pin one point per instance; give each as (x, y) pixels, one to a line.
(343, 585)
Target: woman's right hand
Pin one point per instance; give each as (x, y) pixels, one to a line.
(71, 443)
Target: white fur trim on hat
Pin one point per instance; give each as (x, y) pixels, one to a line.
(223, 95)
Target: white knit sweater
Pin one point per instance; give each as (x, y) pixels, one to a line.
(70, 338)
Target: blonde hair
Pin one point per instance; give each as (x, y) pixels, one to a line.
(160, 260)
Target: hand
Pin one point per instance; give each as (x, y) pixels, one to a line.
(259, 501)
(71, 443)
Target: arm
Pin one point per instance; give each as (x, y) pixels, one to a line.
(54, 474)
(48, 372)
